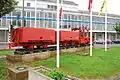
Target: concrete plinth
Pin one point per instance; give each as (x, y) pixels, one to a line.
(15, 74)
(42, 55)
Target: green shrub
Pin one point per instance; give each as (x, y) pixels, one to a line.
(57, 75)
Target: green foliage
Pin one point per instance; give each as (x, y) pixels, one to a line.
(57, 75)
(2, 70)
(6, 6)
(117, 27)
(2, 53)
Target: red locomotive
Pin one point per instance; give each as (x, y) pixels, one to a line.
(29, 38)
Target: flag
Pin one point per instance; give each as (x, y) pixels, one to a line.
(90, 5)
(60, 15)
(103, 7)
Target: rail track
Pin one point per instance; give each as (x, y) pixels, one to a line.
(36, 50)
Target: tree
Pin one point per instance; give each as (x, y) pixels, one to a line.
(6, 6)
(117, 27)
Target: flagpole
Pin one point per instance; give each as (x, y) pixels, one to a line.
(23, 16)
(106, 27)
(91, 32)
(58, 60)
(81, 19)
(35, 13)
(106, 30)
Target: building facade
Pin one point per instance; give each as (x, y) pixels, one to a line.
(42, 14)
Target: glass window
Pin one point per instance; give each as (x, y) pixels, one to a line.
(28, 14)
(2, 36)
(32, 13)
(69, 16)
(38, 14)
(41, 23)
(50, 15)
(3, 22)
(65, 16)
(28, 4)
(24, 13)
(37, 23)
(0, 23)
(48, 6)
(55, 7)
(72, 16)
(14, 13)
(9, 14)
(45, 15)
(52, 6)
(79, 17)
(28, 23)
(49, 24)
(19, 13)
(54, 25)
(32, 23)
(54, 16)
(41, 14)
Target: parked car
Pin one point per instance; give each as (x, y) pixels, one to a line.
(117, 41)
(109, 41)
(101, 41)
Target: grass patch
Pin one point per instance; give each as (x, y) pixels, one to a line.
(5, 52)
(2, 69)
(101, 65)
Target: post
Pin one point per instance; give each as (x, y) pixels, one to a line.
(106, 31)
(23, 23)
(35, 13)
(81, 19)
(58, 60)
(91, 32)
(106, 27)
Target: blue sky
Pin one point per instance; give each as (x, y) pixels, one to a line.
(113, 5)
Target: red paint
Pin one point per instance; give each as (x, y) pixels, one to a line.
(30, 37)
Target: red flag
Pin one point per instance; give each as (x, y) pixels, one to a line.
(90, 5)
(60, 15)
